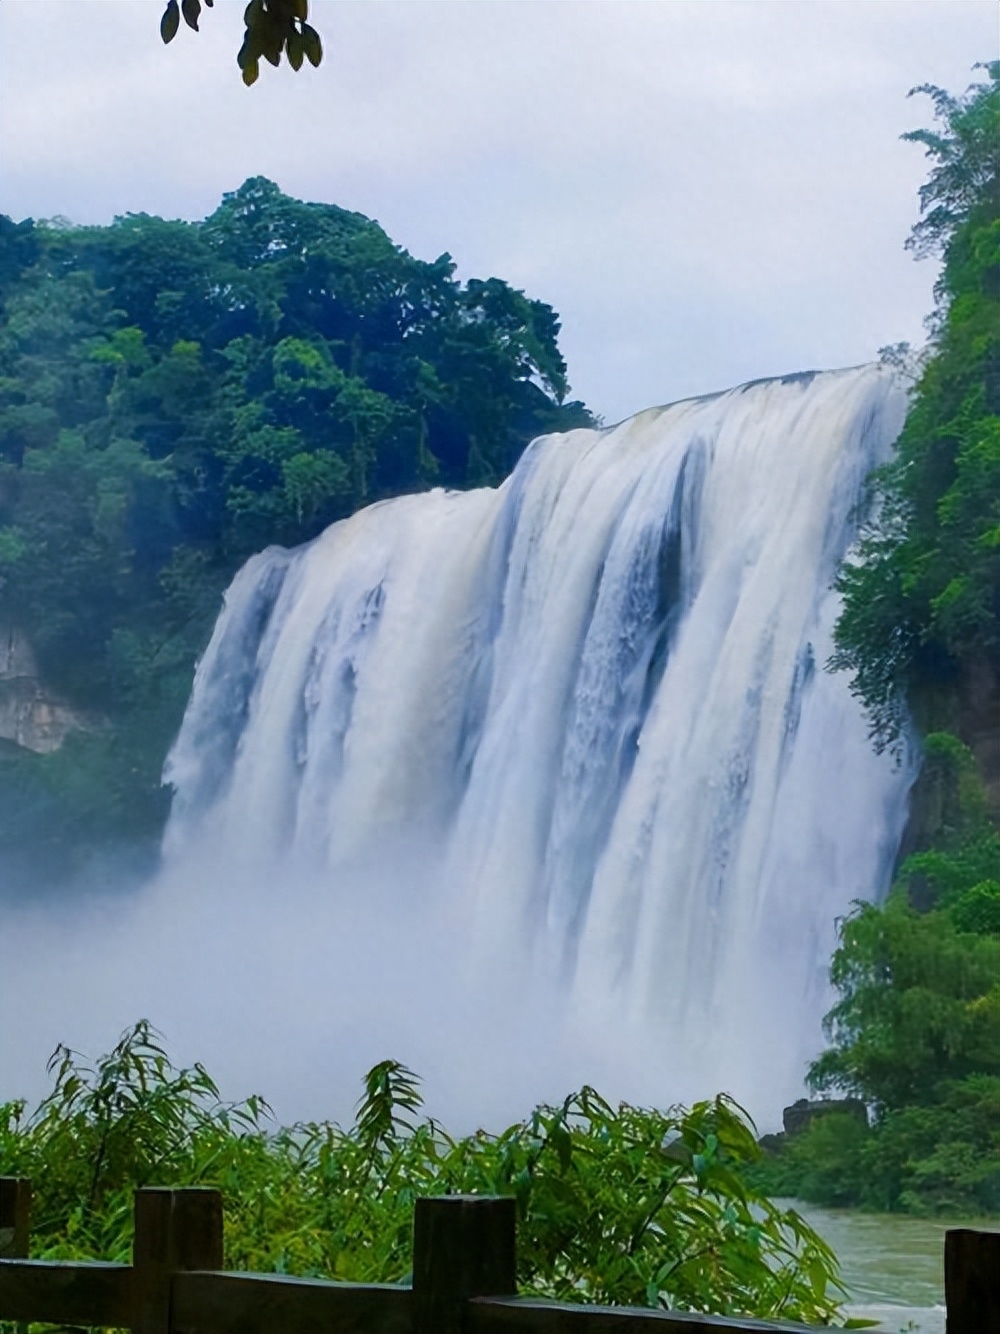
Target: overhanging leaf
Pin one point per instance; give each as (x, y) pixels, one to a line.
(170, 21)
(311, 44)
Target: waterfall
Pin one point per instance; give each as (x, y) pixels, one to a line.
(583, 720)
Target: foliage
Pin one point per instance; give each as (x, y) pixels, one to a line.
(919, 978)
(916, 1030)
(920, 1006)
(922, 595)
(964, 177)
(272, 27)
(616, 1205)
(942, 1158)
(178, 395)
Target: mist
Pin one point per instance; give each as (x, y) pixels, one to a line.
(293, 987)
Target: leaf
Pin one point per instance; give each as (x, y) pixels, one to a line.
(311, 44)
(170, 22)
(247, 59)
(562, 1142)
(389, 1086)
(674, 1148)
(295, 50)
(269, 33)
(191, 9)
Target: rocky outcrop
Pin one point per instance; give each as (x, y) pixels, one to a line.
(801, 1114)
(30, 715)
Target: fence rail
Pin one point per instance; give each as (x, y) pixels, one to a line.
(463, 1281)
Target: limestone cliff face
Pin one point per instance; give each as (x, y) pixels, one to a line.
(30, 715)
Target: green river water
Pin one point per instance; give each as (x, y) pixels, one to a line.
(893, 1266)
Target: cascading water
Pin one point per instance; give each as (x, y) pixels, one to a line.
(581, 720)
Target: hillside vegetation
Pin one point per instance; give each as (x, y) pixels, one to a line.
(176, 396)
(916, 1030)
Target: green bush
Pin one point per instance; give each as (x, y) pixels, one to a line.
(942, 1159)
(616, 1204)
(824, 1164)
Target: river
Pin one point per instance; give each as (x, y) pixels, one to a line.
(893, 1266)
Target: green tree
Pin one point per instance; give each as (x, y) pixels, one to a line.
(177, 395)
(922, 596)
(920, 1006)
(915, 1032)
(916, 1029)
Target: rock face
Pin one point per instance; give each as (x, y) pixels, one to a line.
(798, 1117)
(30, 715)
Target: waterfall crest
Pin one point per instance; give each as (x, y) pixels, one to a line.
(584, 713)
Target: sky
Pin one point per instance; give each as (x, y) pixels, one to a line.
(707, 191)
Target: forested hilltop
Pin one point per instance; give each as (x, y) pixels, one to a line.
(916, 1031)
(176, 396)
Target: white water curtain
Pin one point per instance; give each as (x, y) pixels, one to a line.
(582, 720)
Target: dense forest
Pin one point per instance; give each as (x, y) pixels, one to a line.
(176, 396)
(916, 1030)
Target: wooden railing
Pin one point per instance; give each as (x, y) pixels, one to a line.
(463, 1281)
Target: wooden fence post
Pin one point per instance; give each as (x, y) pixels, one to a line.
(972, 1281)
(463, 1246)
(15, 1217)
(174, 1230)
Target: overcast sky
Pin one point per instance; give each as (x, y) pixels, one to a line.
(706, 191)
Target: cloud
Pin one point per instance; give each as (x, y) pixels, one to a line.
(705, 191)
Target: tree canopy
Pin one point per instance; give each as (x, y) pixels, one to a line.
(178, 395)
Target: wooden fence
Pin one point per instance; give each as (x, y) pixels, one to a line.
(463, 1281)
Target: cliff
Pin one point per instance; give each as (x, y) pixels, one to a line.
(31, 716)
